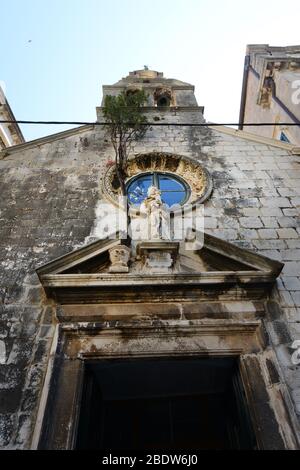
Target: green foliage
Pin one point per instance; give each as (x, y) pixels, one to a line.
(123, 113)
(126, 123)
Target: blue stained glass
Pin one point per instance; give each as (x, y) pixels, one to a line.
(172, 190)
(172, 198)
(137, 190)
(170, 184)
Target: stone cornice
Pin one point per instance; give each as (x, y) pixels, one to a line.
(69, 280)
(170, 109)
(106, 280)
(203, 327)
(149, 85)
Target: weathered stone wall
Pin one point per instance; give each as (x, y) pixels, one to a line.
(50, 192)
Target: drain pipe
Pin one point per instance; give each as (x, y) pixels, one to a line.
(244, 91)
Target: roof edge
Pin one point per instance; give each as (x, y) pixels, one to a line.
(12, 116)
(256, 138)
(44, 140)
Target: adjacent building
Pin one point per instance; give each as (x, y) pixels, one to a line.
(184, 339)
(271, 92)
(10, 133)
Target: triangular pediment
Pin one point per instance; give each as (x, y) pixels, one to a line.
(89, 259)
(215, 262)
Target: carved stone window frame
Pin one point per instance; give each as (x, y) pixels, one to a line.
(196, 177)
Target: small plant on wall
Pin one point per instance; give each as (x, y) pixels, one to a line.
(126, 123)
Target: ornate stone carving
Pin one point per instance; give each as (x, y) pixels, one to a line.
(158, 257)
(277, 65)
(194, 175)
(294, 65)
(197, 178)
(119, 256)
(132, 89)
(159, 261)
(164, 92)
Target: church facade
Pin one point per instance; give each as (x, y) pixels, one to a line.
(112, 339)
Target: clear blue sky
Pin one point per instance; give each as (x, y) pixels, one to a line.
(76, 46)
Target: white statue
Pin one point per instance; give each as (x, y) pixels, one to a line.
(158, 215)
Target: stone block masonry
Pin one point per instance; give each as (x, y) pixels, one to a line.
(49, 195)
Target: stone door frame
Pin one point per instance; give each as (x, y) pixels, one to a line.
(78, 343)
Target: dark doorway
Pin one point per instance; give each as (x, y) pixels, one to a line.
(144, 404)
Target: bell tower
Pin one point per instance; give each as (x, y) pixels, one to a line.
(164, 94)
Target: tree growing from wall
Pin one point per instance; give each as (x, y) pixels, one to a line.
(126, 123)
